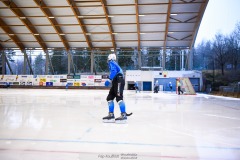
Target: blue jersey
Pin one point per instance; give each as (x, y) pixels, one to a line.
(114, 69)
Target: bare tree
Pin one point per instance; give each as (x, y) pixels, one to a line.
(220, 51)
(232, 50)
(203, 56)
(236, 34)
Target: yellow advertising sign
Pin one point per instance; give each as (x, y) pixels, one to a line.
(43, 80)
(76, 84)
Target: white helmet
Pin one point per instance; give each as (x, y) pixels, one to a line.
(112, 57)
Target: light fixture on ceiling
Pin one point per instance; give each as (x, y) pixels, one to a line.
(11, 34)
(110, 16)
(22, 17)
(88, 34)
(36, 34)
(173, 14)
(80, 16)
(62, 34)
(142, 33)
(98, 16)
(51, 17)
(141, 15)
(114, 33)
(170, 32)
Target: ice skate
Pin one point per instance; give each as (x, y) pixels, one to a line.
(122, 118)
(109, 119)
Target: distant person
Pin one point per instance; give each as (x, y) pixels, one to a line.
(170, 86)
(156, 87)
(179, 85)
(7, 84)
(67, 86)
(136, 87)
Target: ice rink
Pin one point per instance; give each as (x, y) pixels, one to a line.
(58, 124)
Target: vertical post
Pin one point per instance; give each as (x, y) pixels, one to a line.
(182, 51)
(135, 54)
(190, 59)
(164, 59)
(139, 59)
(3, 63)
(159, 58)
(69, 62)
(25, 62)
(175, 56)
(92, 61)
(47, 62)
(180, 60)
(17, 68)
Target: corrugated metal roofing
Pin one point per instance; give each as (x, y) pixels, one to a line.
(99, 24)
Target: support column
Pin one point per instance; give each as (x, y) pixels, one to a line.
(47, 62)
(92, 61)
(190, 59)
(182, 52)
(24, 62)
(139, 59)
(164, 59)
(69, 62)
(3, 63)
(27, 62)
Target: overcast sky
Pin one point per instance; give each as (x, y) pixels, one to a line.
(220, 16)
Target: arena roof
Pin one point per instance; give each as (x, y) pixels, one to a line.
(99, 24)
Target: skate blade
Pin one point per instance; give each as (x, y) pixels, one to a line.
(121, 121)
(108, 120)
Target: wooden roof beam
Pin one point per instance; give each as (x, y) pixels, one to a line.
(80, 22)
(110, 5)
(93, 24)
(12, 35)
(26, 22)
(53, 21)
(167, 23)
(108, 22)
(197, 25)
(100, 16)
(138, 25)
(17, 41)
